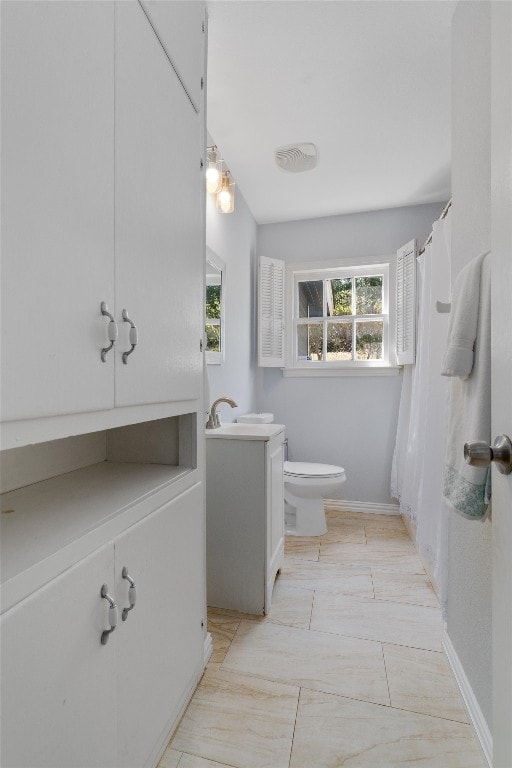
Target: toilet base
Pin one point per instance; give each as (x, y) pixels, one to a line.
(307, 518)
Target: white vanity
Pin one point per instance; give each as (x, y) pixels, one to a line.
(244, 515)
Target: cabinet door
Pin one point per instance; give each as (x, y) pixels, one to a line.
(275, 514)
(159, 219)
(58, 681)
(181, 26)
(161, 642)
(57, 206)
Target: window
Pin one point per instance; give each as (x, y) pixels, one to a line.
(336, 318)
(341, 318)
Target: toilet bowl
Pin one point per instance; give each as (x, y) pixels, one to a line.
(306, 485)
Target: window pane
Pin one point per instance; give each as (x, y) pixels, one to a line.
(310, 341)
(368, 295)
(339, 297)
(213, 301)
(212, 338)
(339, 341)
(311, 298)
(369, 340)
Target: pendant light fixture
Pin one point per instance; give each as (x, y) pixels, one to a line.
(226, 195)
(213, 171)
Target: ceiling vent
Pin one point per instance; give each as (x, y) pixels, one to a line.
(296, 157)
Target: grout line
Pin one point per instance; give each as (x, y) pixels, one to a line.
(386, 671)
(386, 706)
(406, 602)
(193, 754)
(312, 606)
(373, 585)
(294, 726)
(373, 640)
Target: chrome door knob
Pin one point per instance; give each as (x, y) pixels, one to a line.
(479, 454)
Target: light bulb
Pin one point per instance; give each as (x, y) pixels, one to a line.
(225, 200)
(213, 179)
(226, 196)
(213, 171)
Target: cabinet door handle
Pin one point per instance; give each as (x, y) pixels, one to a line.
(132, 593)
(112, 614)
(111, 331)
(133, 338)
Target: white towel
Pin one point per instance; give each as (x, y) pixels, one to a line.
(466, 488)
(464, 312)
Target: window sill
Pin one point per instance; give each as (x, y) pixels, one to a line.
(377, 370)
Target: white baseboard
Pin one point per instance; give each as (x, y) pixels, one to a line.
(362, 506)
(475, 713)
(208, 648)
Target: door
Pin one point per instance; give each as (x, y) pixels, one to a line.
(159, 231)
(58, 680)
(161, 642)
(502, 377)
(57, 206)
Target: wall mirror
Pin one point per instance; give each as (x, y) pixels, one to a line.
(214, 308)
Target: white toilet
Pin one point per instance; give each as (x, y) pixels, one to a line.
(306, 486)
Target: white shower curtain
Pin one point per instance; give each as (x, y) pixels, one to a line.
(421, 435)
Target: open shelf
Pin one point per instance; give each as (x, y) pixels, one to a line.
(49, 525)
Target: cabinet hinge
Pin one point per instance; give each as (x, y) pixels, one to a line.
(201, 345)
(202, 83)
(202, 623)
(203, 26)
(201, 163)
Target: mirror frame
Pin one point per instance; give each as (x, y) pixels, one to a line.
(217, 358)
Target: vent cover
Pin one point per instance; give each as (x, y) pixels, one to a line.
(296, 157)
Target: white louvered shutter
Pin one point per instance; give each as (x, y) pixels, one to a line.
(406, 303)
(271, 287)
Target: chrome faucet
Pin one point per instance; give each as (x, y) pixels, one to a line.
(213, 420)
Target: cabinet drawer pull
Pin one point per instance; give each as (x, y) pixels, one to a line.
(133, 337)
(112, 614)
(132, 593)
(111, 331)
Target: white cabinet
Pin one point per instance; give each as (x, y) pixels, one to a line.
(161, 641)
(159, 233)
(57, 206)
(67, 700)
(102, 200)
(244, 517)
(58, 682)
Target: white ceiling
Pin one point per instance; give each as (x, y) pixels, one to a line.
(367, 81)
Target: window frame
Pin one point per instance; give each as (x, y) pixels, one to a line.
(338, 269)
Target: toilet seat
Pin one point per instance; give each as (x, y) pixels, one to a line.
(307, 469)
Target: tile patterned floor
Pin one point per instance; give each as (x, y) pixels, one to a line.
(347, 670)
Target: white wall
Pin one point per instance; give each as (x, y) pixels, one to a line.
(347, 421)
(469, 585)
(233, 237)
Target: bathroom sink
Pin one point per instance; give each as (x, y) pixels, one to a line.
(246, 431)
